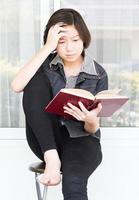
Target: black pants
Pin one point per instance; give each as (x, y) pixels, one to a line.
(79, 156)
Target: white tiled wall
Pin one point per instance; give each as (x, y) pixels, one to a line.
(115, 179)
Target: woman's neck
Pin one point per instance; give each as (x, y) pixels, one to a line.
(73, 68)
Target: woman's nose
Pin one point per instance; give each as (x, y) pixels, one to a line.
(69, 46)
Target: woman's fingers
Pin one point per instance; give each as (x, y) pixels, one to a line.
(97, 109)
(82, 113)
(74, 111)
(82, 107)
(56, 28)
(54, 34)
(75, 115)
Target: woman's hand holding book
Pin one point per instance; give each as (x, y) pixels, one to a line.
(90, 118)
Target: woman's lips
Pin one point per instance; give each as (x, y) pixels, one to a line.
(70, 55)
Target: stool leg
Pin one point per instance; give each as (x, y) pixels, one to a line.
(44, 192)
(38, 187)
(40, 197)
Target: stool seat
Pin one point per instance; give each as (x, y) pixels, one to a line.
(37, 167)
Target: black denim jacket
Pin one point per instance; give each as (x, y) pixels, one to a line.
(38, 93)
(92, 83)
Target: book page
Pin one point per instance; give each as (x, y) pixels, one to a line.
(78, 92)
(107, 93)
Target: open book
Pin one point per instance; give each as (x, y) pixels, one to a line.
(110, 99)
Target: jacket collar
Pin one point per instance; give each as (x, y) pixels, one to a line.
(87, 67)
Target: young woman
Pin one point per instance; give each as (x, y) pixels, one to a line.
(70, 146)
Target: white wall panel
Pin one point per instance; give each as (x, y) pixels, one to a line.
(115, 179)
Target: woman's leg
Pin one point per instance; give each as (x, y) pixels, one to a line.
(37, 94)
(33, 142)
(80, 157)
(42, 127)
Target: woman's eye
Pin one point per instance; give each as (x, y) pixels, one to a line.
(75, 40)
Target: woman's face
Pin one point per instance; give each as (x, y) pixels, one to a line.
(70, 47)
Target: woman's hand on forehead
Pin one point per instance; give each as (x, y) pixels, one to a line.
(60, 27)
(54, 34)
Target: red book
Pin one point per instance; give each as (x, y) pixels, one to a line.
(110, 99)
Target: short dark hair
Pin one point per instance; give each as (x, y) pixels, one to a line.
(70, 17)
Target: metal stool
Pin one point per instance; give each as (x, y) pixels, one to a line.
(38, 168)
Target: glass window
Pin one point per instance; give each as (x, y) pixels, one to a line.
(114, 27)
(19, 40)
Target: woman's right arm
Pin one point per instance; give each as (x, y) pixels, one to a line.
(28, 70)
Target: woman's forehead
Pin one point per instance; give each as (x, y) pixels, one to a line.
(70, 31)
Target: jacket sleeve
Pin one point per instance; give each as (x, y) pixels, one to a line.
(36, 96)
